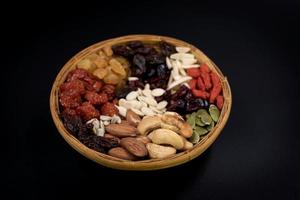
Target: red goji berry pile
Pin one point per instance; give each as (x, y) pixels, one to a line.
(206, 85)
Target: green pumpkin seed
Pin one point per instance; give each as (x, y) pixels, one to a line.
(211, 126)
(204, 116)
(199, 122)
(200, 130)
(214, 112)
(195, 138)
(191, 120)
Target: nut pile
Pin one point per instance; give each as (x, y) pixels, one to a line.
(140, 100)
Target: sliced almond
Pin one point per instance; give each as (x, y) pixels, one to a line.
(180, 56)
(147, 93)
(188, 61)
(133, 78)
(190, 66)
(178, 82)
(168, 63)
(182, 49)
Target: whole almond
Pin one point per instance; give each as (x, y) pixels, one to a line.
(143, 139)
(107, 135)
(134, 146)
(121, 153)
(133, 118)
(121, 130)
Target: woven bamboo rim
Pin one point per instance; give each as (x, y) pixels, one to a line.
(151, 164)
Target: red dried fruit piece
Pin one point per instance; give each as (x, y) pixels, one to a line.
(200, 84)
(70, 99)
(200, 94)
(73, 87)
(109, 109)
(215, 78)
(109, 90)
(206, 79)
(77, 74)
(95, 98)
(220, 101)
(97, 85)
(69, 111)
(192, 83)
(204, 68)
(193, 72)
(215, 92)
(87, 111)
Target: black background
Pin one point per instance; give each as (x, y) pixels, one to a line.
(255, 45)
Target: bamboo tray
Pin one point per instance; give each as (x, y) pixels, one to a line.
(152, 164)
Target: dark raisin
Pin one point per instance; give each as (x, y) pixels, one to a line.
(150, 73)
(194, 105)
(135, 44)
(155, 59)
(123, 50)
(145, 50)
(139, 64)
(122, 92)
(106, 143)
(166, 48)
(162, 70)
(71, 122)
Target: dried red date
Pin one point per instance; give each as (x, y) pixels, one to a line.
(70, 99)
(75, 86)
(109, 109)
(87, 111)
(96, 99)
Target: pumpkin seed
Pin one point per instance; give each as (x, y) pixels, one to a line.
(200, 130)
(204, 116)
(211, 126)
(214, 112)
(191, 120)
(195, 138)
(199, 122)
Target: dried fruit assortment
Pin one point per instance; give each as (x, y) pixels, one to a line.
(141, 100)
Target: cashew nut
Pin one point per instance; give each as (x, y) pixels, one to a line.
(159, 151)
(148, 124)
(185, 129)
(170, 127)
(187, 144)
(165, 136)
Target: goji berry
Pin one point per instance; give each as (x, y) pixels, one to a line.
(193, 72)
(204, 68)
(200, 93)
(192, 83)
(215, 92)
(206, 79)
(200, 84)
(220, 101)
(214, 78)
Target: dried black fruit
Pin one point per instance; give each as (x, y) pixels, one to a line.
(145, 50)
(189, 96)
(135, 44)
(122, 92)
(123, 50)
(166, 48)
(73, 123)
(194, 105)
(150, 73)
(162, 70)
(139, 64)
(106, 143)
(155, 59)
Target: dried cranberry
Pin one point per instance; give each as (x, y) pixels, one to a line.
(166, 48)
